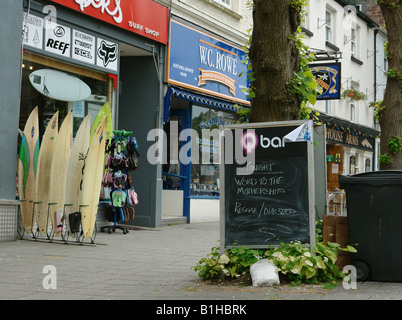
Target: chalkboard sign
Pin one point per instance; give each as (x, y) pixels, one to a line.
(272, 200)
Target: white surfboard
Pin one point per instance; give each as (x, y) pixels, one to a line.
(59, 85)
(27, 165)
(43, 173)
(58, 173)
(92, 180)
(76, 165)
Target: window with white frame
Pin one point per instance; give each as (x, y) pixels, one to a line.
(352, 112)
(329, 20)
(353, 42)
(225, 3)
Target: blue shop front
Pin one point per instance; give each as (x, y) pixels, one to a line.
(206, 84)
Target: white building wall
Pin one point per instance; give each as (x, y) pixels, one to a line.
(361, 75)
(229, 23)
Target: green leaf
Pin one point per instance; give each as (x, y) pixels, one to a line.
(312, 98)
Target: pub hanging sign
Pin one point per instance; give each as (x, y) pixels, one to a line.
(328, 77)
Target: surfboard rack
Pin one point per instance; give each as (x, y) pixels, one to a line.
(35, 233)
(65, 234)
(80, 234)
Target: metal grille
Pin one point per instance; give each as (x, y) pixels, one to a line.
(8, 220)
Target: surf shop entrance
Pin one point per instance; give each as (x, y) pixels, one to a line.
(80, 60)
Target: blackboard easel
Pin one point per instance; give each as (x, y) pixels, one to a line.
(275, 203)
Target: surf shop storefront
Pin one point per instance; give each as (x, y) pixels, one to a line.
(206, 77)
(80, 57)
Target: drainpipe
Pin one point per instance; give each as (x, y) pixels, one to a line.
(376, 151)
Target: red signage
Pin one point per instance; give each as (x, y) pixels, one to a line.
(144, 17)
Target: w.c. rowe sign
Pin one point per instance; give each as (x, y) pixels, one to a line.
(144, 17)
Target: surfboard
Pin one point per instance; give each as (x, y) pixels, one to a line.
(105, 111)
(43, 173)
(58, 173)
(28, 159)
(59, 85)
(76, 165)
(92, 180)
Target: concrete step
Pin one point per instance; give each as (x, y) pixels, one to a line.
(173, 220)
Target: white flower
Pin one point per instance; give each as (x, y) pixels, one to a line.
(224, 259)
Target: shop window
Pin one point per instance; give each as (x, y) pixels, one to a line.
(367, 165)
(53, 86)
(352, 167)
(205, 173)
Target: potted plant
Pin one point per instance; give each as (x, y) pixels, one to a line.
(353, 94)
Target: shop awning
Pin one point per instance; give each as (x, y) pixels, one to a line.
(195, 98)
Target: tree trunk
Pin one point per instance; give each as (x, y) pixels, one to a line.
(391, 117)
(274, 59)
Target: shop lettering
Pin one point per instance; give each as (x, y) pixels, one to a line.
(274, 142)
(83, 53)
(104, 6)
(136, 26)
(221, 62)
(140, 27)
(58, 45)
(334, 135)
(338, 136)
(354, 140)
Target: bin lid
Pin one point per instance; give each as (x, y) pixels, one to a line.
(375, 178)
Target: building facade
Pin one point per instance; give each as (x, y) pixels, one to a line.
(178, 67)
(340, 32)
(205, 81)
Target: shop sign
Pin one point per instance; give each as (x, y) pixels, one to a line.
(83, 47)
(107, 53)
(32, 34)
(70, 43)
(355, 141)
(58, 39)
(200, 61)
(328, 77)
(144, 17)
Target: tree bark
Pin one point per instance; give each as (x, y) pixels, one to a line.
(391, 117)
(274, 60)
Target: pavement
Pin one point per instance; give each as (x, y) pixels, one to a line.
(144, 264)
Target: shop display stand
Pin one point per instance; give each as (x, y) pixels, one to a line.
(117, 177)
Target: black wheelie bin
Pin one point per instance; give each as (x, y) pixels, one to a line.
(374, 210)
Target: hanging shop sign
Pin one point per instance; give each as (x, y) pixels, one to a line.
(200, 61)
(83, 47)
(33, 31)
(144, 17)
(107, 53)
(70, 43)
(328, 77)
(58, 39)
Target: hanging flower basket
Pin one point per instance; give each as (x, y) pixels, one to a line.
(353, 94)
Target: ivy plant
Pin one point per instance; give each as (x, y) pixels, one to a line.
(394, 144)
(294, 260)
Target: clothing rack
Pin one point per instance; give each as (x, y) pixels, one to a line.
(122, 158)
